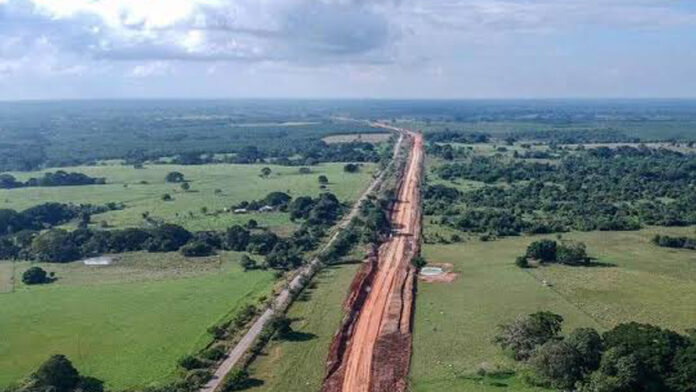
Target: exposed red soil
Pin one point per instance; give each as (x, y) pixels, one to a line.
(372, 349)
(446, 277)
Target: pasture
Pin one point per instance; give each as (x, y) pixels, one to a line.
(358, 137)
(298, 364)
(455, 322)
(213, 187)
(127, 323)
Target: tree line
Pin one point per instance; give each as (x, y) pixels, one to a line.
(629, 357)
(58, 178)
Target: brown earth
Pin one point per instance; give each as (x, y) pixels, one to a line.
(446, 277)
(372, 349)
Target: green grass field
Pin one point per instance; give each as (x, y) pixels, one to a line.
(236, 183)
(455, 322)
(298, 365)
(126, 323)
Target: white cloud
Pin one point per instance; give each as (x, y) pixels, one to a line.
(154, 68)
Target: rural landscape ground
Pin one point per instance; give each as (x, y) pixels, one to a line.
(353, 210)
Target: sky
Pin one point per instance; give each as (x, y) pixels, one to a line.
(85, 49)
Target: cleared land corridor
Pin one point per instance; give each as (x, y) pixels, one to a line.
(372, 351)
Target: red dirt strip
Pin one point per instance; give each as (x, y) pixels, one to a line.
(372, 349)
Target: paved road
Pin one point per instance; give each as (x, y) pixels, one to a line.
(284, 299)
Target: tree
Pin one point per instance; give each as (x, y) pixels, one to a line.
(524, 334)
(544, 250)
(652, 349)
(419, 261)
(304, 170)
(185, 186)
(236, 238)
(572, 253)
(252, 224)
(58, 374)
(174, 176)
(266, 171)
(167, 238)
(589, 345)
(247, 263)
(196, 249)
(166, 197)
(557, 364)
(55, 245)
(35, 275)
(683, 379)
(351, 168)
(282, 325)
(323, 180)
(235, 380)
(277, 199)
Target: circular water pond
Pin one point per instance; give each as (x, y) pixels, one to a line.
(431, 271)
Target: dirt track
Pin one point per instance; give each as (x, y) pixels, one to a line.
(372, 350)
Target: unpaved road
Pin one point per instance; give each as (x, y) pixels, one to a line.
(375, 359)
(284, 298)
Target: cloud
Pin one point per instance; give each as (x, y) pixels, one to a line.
(154, 68)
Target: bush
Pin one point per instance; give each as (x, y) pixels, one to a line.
(174, 177)
(190, 362)
(215, 353)
(418, 261)
(196, 249)
(544, 250)
(235, 380)
(572, 253)
(247, 263)
(522, 262)
(351, 168)
(35, 275)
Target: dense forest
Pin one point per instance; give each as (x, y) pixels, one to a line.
(594, 189)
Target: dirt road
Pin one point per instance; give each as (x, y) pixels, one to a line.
(373, 348)
(283, 300)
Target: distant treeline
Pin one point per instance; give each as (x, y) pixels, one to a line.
(304, 154)
(556, 136)
(596, 189)
(59, 178)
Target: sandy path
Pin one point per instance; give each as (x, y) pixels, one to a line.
(388, 305)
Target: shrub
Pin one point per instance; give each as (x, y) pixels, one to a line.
(35, 275)
(418, 261)
(196, 249)
(235, 380)
(544, 250)
(351, 168)
(215, 353)
(190, 362)
(522, 262)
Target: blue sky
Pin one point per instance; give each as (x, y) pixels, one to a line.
(51, 49)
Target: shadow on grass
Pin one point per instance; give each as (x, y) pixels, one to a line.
(298, 336)
(499, 378)
(249, 383)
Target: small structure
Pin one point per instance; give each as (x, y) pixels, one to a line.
(266, 209)
(101, 260)
(240, 211)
